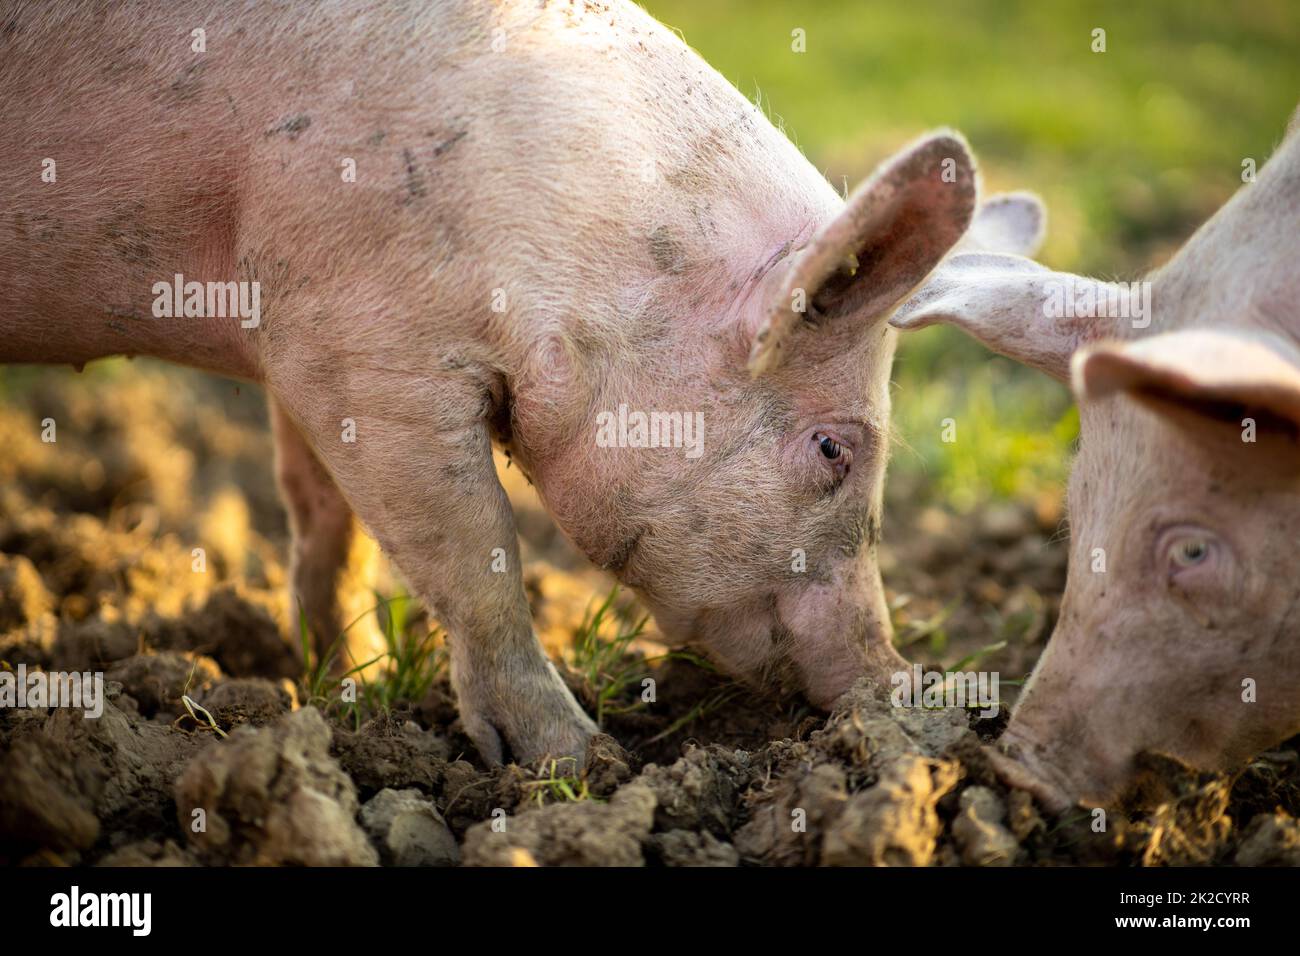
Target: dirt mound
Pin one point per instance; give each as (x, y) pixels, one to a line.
(72, 784)
(156, 682)
(247, 700)
(567, 834)
(273, 796)
(387, 753)
(870, 785)
(408, 830)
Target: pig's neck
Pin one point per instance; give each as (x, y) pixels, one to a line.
(1242, 268)
(664, 240)
(592, 489)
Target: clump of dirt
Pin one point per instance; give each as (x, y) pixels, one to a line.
(97, 643)
(156, 682)
(707, 706)
(863, 790)
(980, 831)
(247, 700)
(583, 833)
(701, 790)
(74, 784)
(1189, 825)
(1270, 840)
(408, 830)
(689, 848)
(24, 599)
(388, 753)
(608, 766)
(150, 853)
(239, 635)
(273, 796)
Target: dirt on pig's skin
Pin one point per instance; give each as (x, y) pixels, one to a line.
(218, 745)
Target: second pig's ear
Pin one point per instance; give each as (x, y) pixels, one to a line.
(1008, 222)
(1219, 374)
(894, 229)
(1012, 305)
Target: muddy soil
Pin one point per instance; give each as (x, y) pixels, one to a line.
(216, 747)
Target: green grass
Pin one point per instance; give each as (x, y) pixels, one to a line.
(607, 666)
(555, 787)
(412, 661)
(1131, 149)
(1012, 429)
(1131, 144)
(932, 629)
(415, 657)
(612, 670)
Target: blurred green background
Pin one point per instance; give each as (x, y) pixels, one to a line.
(1131, 149)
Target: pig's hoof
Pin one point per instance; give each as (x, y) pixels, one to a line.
(567, 746)
(530, 724)
(562, 741)
(485, 737)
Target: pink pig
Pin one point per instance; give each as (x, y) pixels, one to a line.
(1180, 626)
(467, 223)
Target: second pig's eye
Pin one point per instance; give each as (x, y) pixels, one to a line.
(1194, 556)
(830, 447)
(1189, 552)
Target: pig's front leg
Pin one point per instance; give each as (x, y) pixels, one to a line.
(414, 458)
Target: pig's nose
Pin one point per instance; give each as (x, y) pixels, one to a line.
(1026, 772)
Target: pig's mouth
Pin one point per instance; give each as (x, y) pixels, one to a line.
(1015, 760)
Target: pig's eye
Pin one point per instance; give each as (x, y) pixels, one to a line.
(1193, 556)
(836, 455)
(1189, 552)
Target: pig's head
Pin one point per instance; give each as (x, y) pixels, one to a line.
(1180, 626)
(755, 540)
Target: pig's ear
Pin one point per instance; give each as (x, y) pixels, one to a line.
(1015, 223)
(892, 232)
(1006, 302)
(1224, 375)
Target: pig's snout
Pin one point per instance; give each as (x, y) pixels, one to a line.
(1018, 762)
(837, 634)
(873, 656)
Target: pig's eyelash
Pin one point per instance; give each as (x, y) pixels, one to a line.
(876, 437)
(872, 435)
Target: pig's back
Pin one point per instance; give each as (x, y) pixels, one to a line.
(530, 148)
